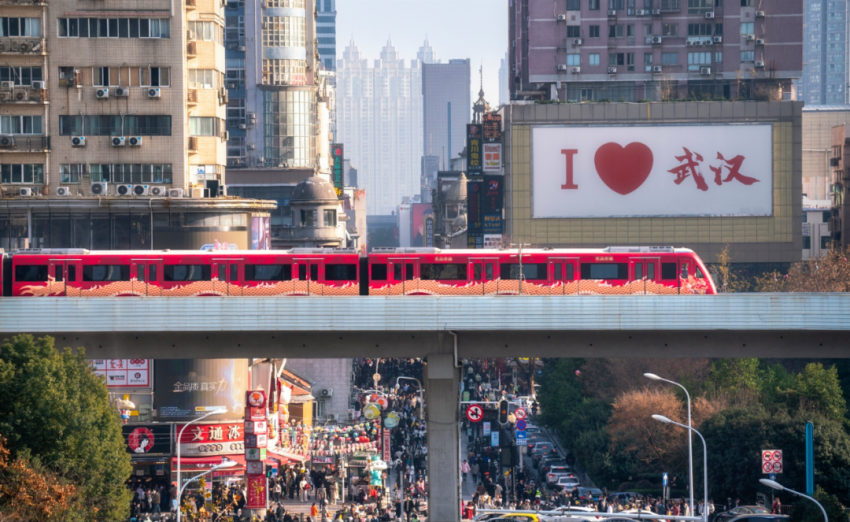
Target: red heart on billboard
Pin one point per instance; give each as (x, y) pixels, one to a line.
(623, 169)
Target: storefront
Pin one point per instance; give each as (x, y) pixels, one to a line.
(149, 446)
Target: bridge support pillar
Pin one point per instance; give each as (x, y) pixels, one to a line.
(442, 380)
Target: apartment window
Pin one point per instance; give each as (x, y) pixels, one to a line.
(309, 218)
(593, 59)
(697, 60)
(234, 29)
(630, 61)
(573, 31)
(807, 242)
(746, 3)
(287, 3)
(616, 58)
(747, 56)
(747, 28)
(281, 72)
(670, 30)
(155, 76)
(615, 31)
(20, 75)
(21, 125)
(593, 5)
(235, 112)
(25, 174)
(235, 68)
(669, 58)
(330, 217)
(647, 29)
(630, 31)
(594, 31)
(131, 172)
(284, 31)
(203, 126)
(113, 28)
(573, 5)
(718, 29)
(700, 6)
(573, 60)
(20, 27)
(718, 57)
(647, 61)
(110, 125)
(202, 79)
(71, 173)
(207, 31)
(616, 4)
(700, 29)
(100, 76)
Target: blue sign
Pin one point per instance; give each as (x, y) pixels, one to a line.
(520, 425)
(486, 428)
(773, 476)
(494, 439)
(810, 459)
(521, 438)
(664, 480)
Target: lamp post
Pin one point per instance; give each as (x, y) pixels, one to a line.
(690, 435)
(662, 418)
(421, 398)
(214, 411)
(224, 464)
(779, 487)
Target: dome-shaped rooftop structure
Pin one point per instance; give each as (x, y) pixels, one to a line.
(315, 188)
(457, 190)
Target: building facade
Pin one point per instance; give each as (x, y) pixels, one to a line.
(817, 238)
(379, 119)
(326, 33)
(818, 121)
(825, 52)
(331, 386)
(685, 186)
(504, 91)
(630, 50)
(446, 104)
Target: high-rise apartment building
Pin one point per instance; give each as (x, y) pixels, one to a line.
(446, 108)
(379, 119)
(326, 32)
(628, 50)
(504, 92)
(826, 60)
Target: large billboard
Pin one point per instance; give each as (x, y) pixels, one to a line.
(652, 171)
(420, 237)
(181, 386)
(124, 373)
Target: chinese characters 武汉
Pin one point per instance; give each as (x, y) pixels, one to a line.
(691, 166)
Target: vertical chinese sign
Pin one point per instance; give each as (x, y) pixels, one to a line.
(474, 157)
(492, 143)
(338, 167)
(256, 439)
(492, 202)
(474, 215)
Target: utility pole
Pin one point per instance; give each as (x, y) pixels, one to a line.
(521, 274)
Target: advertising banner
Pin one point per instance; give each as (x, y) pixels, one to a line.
(474, 214)
(257, 491)
(182, 385)
(474, 157)
(419, 214)
(492, 128)
(210, 439)
(493, 157)
(148, 439)
(124, 373)
(338, 167)
(652, 171)
(385, 445)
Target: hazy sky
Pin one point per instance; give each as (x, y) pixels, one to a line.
(474, 29)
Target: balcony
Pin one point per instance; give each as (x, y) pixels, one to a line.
(23, 45)
(19, 143)
(23, 95)
(192, 96)
(669, 6)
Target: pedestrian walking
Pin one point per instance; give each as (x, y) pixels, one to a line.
(464, 468)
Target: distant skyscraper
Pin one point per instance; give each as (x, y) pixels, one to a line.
(504, 93)
(379, 118)
(426, 53)
(446, 104)
(825, 57)
(326, 32)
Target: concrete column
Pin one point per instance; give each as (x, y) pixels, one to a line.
(441, 385)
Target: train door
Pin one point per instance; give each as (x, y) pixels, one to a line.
(643, 272)
(404, 274)
(146, 276)
(684, 272)
(562, 273)
(229, 274)
(311, 272)
(62, 274)
(483, 271)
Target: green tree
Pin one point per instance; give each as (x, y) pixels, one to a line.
(560, 391)
(806, 511)
(822, 388)
(735, 375)
(55, 409)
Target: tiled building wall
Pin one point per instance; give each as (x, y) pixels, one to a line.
(774, 239)
(817, 136)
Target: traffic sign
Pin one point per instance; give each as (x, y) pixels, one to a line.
(521, 438)
(494, 439)
(486, 427)
(772, 461)
(520, 414)
(474, 413)
(664, 480)
(520, 425)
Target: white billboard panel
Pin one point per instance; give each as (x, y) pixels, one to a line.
(652, 171)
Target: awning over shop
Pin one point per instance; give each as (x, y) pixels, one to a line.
(284, 455)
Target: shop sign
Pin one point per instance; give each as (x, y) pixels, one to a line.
(256, 427)
(124, 373)
(211, 439)
(323, 460)
(492, 128)
(256, 441)
(255, 414)
(257, 491)
(474, 157)
(255, 467)
(338, 167)
(255, 399)
(385, 445)
(492, 157)
(255, 454)
(149, 439)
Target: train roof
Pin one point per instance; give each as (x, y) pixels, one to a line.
(332, 251)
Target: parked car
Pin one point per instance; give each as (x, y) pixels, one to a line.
(759, 517)
(541, 450)
(554, 474)
(567, 483)
(547, 464)
(594, 494)
(725, 516)
(533, 445)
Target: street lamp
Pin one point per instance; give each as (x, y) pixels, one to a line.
(213, 411)
(662, 418)
(421, 399)
(690, 436)
(224, 464)
(779, 487)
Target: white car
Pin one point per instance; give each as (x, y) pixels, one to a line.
(568, 483)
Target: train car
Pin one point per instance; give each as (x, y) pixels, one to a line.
(608, 271)
(163, 273)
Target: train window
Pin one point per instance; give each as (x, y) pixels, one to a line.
(72, 273)
(699, 273)
(638, 271)
(397, 271)
(408, 272)
(31, 273)
(222, 273)
(489, 271)
(529, 271)
(314, 272)
(684, 270)
(604, 271)
(187, 272)
(650, 271)
(106, 273)
(569, 272)
(379, 272)
(668, 270)
(267, 272)
(557, 271)
(302, 272)
(453, 271)
(234, 272)
(60, 273)
(340, 272)
(140, 273)
(152, 273)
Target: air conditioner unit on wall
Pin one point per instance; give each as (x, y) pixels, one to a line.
(63, 191)
(122, 91)
(102, 94)
(78, 141)
(612, 70)
(159, 191)
(175, 193)
(25, 192)
(98, 189)
(327, 392)
(562, 67)
(124, 190)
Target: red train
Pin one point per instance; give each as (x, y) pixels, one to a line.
(326, 272)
